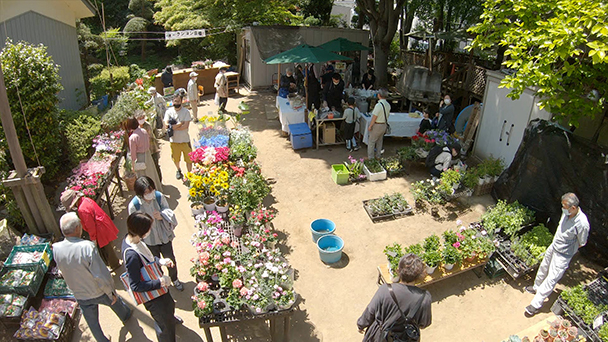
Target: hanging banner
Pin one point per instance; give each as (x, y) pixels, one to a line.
(172, 35)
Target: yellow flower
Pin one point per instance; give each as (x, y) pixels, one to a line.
(197, 184)
(192, 192)
(206, 180)
(224, 174)
(212, 189)
(225, 185)
(189, 175)
(212, 174)
(201, 193)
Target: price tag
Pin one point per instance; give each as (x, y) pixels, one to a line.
(598, 321)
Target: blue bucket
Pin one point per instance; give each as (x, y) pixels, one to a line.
(330, 248)
(321, 227)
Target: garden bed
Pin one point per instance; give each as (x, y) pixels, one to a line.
(376, 216)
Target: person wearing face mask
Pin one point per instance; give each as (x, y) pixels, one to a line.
(333, 92)
(287, 84)
(179, 118)
(193, 95)
(446, 115)
(221, 88)
(140, 115)
(135, 252)
(160, 240)
(571, 234)
(139, 148)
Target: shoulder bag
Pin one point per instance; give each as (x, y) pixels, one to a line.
(150, 271)
(388, 127)
(403, 331)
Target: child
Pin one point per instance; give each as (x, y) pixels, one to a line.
(351, 115)
(426, 123)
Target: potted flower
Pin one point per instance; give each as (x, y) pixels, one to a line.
(355, 169)
(392, 165)
(451, 256)
(130, 177)
(237, 220)
(202, 300)
(374, 170)
(432, 259)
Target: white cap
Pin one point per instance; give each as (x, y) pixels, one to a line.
(193, 74)
(151, 90)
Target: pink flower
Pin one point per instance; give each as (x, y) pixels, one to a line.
(237, 283)
(456, 244)
(204, 256)
(202, 304)
(226, 240)
(244, 291)
(202, 286)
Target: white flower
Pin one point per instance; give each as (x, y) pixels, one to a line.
(458, 222)
(275, 270)
(284, 277)
(265, 274)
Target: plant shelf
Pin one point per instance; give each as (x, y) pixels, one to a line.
(514, 265)
(392, 216)
(583, 327)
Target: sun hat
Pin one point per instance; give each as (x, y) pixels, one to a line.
(193, 74)
(69, 199)
(151, 90)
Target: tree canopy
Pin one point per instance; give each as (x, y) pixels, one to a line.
(560, 47)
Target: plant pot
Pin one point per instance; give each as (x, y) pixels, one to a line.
(221, 208)
(481, 181)
(572, 333)
(374, 176)
(130, 181)
(197, 209)
(448, 267)
(435, 212)
(209, 203)
(565, 325)
(430, 270)
(471, 258)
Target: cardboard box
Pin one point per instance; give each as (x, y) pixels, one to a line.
(329, 133)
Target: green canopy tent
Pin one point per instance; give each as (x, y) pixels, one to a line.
(343, 44)
(305, 54)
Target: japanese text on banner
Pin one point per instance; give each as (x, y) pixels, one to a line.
(185, 34)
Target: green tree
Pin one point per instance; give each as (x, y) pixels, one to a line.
(383, 16)
(32, 83)
(139, 21)
(320, 9)
(115, 15)
(560, 47)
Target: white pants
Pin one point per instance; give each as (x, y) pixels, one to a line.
(551, 270)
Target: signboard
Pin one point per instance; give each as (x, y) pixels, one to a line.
(172, 35)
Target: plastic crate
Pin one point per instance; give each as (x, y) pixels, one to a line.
(30, 289)
(494, 269)
(339, 173)
(300, 136)
(377, 176)
(44, 262)
(597, 291)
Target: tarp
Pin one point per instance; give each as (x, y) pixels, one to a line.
(551, 162)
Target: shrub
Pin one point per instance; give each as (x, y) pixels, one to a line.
(32, 71)
(126, 104)
(101, 84)
(79, 129)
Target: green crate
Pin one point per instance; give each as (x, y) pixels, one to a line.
(30, 289)
(339, 173)
(493, 268)
(44, 262)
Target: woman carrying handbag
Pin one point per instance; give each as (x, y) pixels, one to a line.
(152, 293)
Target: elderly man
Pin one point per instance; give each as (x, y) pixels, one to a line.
(287, 83)
(87, 276)
(160, 106)
(96, 223)
(193, 95)
(179, 118)
(378, 124)
(221, 87)
(571, 234)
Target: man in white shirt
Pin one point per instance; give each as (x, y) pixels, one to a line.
(571, 234)
(221, 88)
(179, 119)
(160, 106)
(193, 95)
(377, 126)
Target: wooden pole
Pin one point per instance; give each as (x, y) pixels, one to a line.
(10, 132)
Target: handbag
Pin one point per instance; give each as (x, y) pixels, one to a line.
(405, 331)
(388, 127)
(150, 271)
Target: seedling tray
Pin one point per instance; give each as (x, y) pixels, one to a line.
(514, 265)
(583, 327)
(597, 291)
(385, 217)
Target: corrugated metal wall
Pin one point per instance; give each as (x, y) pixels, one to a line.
(258, 74)
(62, 43)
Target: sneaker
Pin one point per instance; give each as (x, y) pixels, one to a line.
(530, 289)
(531, 311)
(178, 320)
(179, 175)
(178, 285)
(357, 148)
(350, 150)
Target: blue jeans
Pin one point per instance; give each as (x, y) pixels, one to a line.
(90, 311)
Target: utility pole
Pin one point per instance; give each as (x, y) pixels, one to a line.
(25, 182)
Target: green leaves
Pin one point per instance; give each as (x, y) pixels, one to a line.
(560, 47)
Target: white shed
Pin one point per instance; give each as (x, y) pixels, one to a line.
(504, 120)
(261, 42)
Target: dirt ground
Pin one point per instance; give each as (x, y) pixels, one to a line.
(465, 307)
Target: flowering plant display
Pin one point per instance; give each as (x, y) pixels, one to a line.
(242, 145)
(207, 155)
(422, 140)
(440, 138)
(261, 216)
(89, 176)
(209, 181)
(430, 191)
(248, 191)
(202, 300)
(212, 136)
(355, 168)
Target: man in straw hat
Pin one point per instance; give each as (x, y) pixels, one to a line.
(95, 222)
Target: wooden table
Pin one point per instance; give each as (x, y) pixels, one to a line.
(223, 320)
(112, 178)
(440, 273)
(339, 139)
